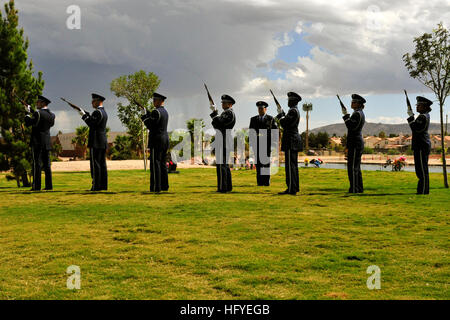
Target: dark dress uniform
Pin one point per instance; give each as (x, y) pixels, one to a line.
(224, 144)
(355, 146)
(97, 144)
(41, 121)
(262, 126)
(158, 144)
(291, 144)
(421, 145)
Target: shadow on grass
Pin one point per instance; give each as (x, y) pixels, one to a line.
(189, 187)
(377, 194)
(146, 193)
(97, 192)
(322, 193)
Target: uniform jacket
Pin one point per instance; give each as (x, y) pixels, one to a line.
(355, 124)
(97, 128)
(224, 123)
(156, 122)
(269, 124)
(420, 136)
(291, 138)
(41, 121)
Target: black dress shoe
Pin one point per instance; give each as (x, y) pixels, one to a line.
(287, 192)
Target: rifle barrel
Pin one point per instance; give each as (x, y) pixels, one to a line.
(279, 108)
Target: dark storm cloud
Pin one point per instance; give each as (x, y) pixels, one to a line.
(224, 43)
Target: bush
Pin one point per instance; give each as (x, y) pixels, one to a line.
(122, 149)
(368, 150)
(393, 152)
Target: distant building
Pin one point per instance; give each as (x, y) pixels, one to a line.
(335, 141)
(384, 144)
(373, 142)
(69, 150)
(436, 141)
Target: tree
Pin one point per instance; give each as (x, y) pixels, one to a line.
(323, 140)
(430, 65)
(16, 79)
(307, 107)
(81, 139)
(138, 89)
(344, 140)
(56, 151)
(382, 135)
(190, 124)
(122, 149)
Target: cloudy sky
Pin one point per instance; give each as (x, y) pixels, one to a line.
(243, 48)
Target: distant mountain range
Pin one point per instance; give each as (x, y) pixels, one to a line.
(373, 129)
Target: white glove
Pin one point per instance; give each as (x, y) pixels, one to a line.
(344, 111)
(81, 112)
(29, 108)
(410, 113)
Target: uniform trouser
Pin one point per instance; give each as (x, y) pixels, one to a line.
(224, 181)
(354, 170)
(291, 168)
(421, 164)
(159, 180)
(263, 174)
(99, 171)
(41, 161)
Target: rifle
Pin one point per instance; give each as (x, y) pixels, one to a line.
(138, 104)
(73, 106)
(21, 101)
(343, 107)
(408, 103)
(212, 106)
(279, 108)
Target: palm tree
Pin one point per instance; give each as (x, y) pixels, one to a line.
(307, 107)
(81, 139)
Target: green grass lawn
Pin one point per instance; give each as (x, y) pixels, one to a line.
(194, 243)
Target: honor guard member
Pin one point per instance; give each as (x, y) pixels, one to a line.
(224, 143)
(261, 126)
(291, 143)
(97, 142)
(355, 142)
(41, 121)
(158, 143)
(421, 143)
